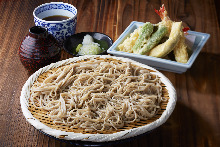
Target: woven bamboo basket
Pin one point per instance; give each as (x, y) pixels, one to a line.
(39, 119)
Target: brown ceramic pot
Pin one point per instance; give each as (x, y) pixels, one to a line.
(38, 49)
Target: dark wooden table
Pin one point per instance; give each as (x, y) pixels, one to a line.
(196, 118)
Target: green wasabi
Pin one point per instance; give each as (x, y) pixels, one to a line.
(78, 47)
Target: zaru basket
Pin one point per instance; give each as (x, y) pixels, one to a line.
(39, 119)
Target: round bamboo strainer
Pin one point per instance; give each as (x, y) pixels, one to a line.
(40, 120)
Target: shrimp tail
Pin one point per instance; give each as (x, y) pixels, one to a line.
(185, 30)
(161, 12)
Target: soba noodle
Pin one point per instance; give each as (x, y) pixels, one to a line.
(96, 95)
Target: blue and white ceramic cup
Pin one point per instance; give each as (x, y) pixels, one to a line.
(59, 29)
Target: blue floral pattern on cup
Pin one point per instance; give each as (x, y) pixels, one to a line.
(55, 6)
(60, 30)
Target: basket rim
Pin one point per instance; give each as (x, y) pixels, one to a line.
(96, 137)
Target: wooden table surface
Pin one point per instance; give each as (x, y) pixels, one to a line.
(196, 118)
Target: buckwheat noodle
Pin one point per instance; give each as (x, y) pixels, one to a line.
(96, 95)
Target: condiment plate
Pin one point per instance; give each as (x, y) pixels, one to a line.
(72, 42)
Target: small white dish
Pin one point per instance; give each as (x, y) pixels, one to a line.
(159, 63)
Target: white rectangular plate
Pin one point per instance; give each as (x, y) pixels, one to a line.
(199, 40)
